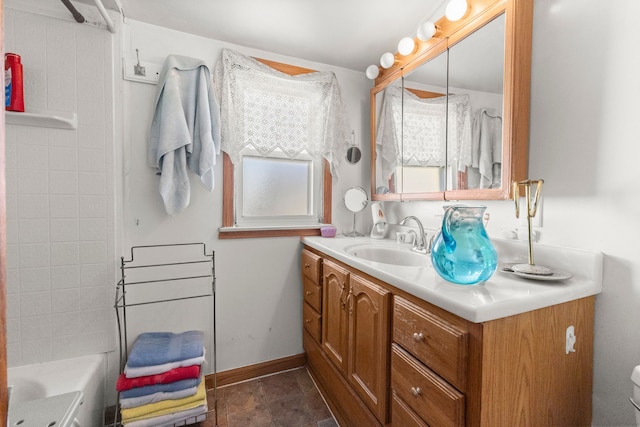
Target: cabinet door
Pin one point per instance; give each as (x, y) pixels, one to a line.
(334, 314)
(368, 310)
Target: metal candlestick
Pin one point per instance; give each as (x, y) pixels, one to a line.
(532, 207)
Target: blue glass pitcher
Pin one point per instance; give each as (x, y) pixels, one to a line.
(462, 252)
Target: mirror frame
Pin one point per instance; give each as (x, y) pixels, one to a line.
(517, 82)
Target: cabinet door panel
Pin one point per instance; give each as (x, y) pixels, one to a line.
(432, 398)
(312, 322)
(334, 314)
(402, 415)
(431, 339)
(368, 307)
(311, 266)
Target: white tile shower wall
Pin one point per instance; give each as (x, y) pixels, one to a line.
(60, 194)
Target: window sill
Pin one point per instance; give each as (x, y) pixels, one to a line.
(254, 232)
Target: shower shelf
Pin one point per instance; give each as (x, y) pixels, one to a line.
(185, 269)
(55, 120)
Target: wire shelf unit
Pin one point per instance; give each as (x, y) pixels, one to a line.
(156, 275)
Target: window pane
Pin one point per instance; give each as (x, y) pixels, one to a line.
(275, 187)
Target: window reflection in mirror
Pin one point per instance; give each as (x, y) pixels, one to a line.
(410, 132)
(476, 68)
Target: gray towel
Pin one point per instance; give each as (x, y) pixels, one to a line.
(185, 130)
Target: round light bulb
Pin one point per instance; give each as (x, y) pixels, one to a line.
(426, 30)
(372, 71)
(456, 10)
(387, 60)
(406, 46)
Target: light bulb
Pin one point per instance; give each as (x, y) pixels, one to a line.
(406, 46)
(387, 60)
(426, 30)
(372, 71)
(456, 9)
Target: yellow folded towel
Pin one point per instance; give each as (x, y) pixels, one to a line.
(165, 406)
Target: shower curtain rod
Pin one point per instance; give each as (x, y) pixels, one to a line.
(105, 15)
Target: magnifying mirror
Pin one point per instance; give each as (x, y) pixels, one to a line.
(355, 199)
(353, 155)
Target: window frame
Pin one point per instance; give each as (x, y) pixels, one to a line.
(229, 230)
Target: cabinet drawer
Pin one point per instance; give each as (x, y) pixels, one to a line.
(312, 322)
(311, 266)
(434, 341)
(433, 399)
(312, 294)
(402, 415)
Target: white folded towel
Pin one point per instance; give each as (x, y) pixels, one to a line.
(185, 130)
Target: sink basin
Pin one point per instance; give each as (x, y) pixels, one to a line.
(389, 254)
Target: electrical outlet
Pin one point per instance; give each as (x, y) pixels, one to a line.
(536, 221)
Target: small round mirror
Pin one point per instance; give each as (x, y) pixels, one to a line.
(353, 155)
(355, 199)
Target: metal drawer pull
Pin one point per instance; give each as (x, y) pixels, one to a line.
(633, 402)
(416, 391)
(308, 292)
(418, 336)
(307, 265)
(307, 320)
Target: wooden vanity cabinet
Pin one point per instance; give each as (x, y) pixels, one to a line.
(355, 337)
(388, 358)
(312, 291)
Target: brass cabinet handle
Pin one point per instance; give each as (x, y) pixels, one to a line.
(307, 320)
(308, 292)
(418, 336)
(416, 391)
(307, 265)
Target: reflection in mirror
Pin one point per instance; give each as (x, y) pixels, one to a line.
(353, 155)
(388, 118)
(476, 68)
(410, 134)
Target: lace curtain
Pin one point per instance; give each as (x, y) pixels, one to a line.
(266, 109)
(412, 131)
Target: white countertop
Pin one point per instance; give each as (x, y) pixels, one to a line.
(501, 296)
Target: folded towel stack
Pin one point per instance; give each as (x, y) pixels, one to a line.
(162, 383)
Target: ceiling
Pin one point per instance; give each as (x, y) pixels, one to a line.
(345, 33)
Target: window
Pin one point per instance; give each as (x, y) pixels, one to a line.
(275, 193)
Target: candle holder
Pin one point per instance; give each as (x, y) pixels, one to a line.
(532, 207)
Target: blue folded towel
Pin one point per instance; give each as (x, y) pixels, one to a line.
(158, 348)
(161, 388)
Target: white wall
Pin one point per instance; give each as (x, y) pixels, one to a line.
(60, 206)
(258, 294)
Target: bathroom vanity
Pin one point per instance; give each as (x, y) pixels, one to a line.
(392, 344)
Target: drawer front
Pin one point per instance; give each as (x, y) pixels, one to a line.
(429, 396)
(312, 322)
(432, 340)
(311, 266)
(402, 415)
(312, 294)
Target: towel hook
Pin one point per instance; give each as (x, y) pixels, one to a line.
(139, 69)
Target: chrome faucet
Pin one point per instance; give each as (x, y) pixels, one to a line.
(420, 243)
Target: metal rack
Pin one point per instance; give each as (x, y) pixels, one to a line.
(158, 275)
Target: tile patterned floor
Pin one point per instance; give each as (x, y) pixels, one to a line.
(286, 399)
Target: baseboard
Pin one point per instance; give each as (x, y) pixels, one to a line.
(258, 370)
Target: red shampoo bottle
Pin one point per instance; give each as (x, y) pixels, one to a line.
(13, 85)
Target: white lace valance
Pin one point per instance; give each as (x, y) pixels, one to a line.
(267, 110)
(412, 131)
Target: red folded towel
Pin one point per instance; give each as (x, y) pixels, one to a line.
(170, 376)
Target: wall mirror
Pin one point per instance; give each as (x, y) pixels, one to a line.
(478, 69)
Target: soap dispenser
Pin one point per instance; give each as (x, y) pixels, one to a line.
(380, 226)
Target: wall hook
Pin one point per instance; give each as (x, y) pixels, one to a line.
(139, 69)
